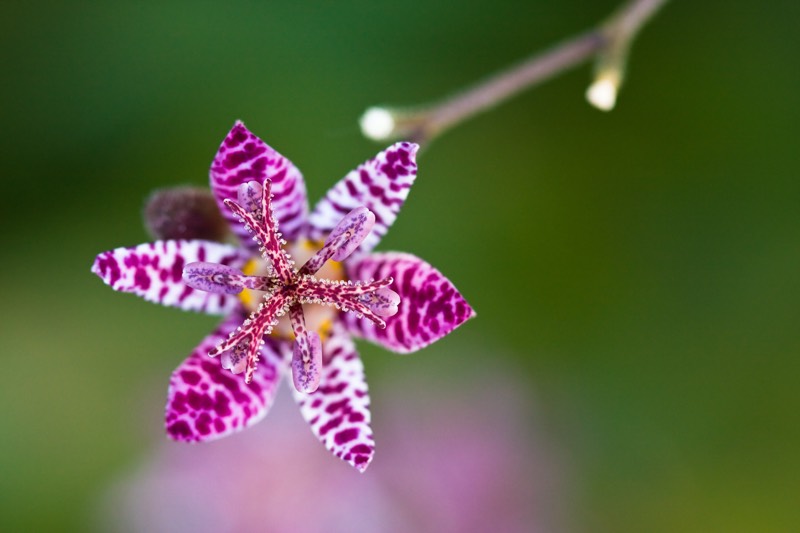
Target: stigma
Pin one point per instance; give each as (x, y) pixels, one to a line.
(280, 299)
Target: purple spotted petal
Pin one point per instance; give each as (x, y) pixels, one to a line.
(430, 306)
(243, 157)
(154, 271)
(338, 412)
(381, 185)
(206, 402)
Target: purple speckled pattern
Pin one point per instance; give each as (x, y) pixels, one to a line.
(306, 353)
(206, 402)
(243, 157)
(381, 185)
(338, 412)
(262, 196)
(430, 306)
(263, 225)
(154, 272)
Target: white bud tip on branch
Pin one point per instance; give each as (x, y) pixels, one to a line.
(377, 123)
(602, 94)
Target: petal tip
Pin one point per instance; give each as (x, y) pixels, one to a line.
(362, 468)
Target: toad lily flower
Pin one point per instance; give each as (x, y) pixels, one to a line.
(279, 316)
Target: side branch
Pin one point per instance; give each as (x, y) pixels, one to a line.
(608, 43)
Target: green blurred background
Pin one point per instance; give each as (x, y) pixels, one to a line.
(641, 266)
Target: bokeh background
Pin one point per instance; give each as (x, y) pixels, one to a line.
(635, 273)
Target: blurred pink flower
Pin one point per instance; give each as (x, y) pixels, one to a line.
(463, 464)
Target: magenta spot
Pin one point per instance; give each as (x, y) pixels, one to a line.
(316, 402)
(336, 406)
(177, 268)
(361, 448)
(332, 389)
(390, 171)
(277, 178)
(361, 459)
(109, 268)
(201, 254)
(178, 403)
(132, 261)
(141, 279)
(219, 425)
(332, 423)
(356, 417)
(203, 424)
(190, 376)
(238, 135)
(234, 159)
(346, 435)
(222, 404)
(413, 320)
(400, 333)
(180, 430)
(215, 372)
(351, 188)
(405, 157)
(198, 401)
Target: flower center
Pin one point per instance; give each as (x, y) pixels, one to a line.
(319, 318)
(276, 287)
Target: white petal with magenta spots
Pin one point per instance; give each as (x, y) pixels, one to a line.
(206, 402)
(430, 306)
(242, 157)
(154, 271)
(338, 412)
(381, 185)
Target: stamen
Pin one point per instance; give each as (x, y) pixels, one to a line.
(348, 235)
(382, 302)
(249, 197)
(306, 353)
(251, 335)
(235, 359)
(213, 277)
(222, 279)
(350, 232)
(346, 296)
(265, 232)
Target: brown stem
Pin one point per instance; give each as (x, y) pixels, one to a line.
(421, 124)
